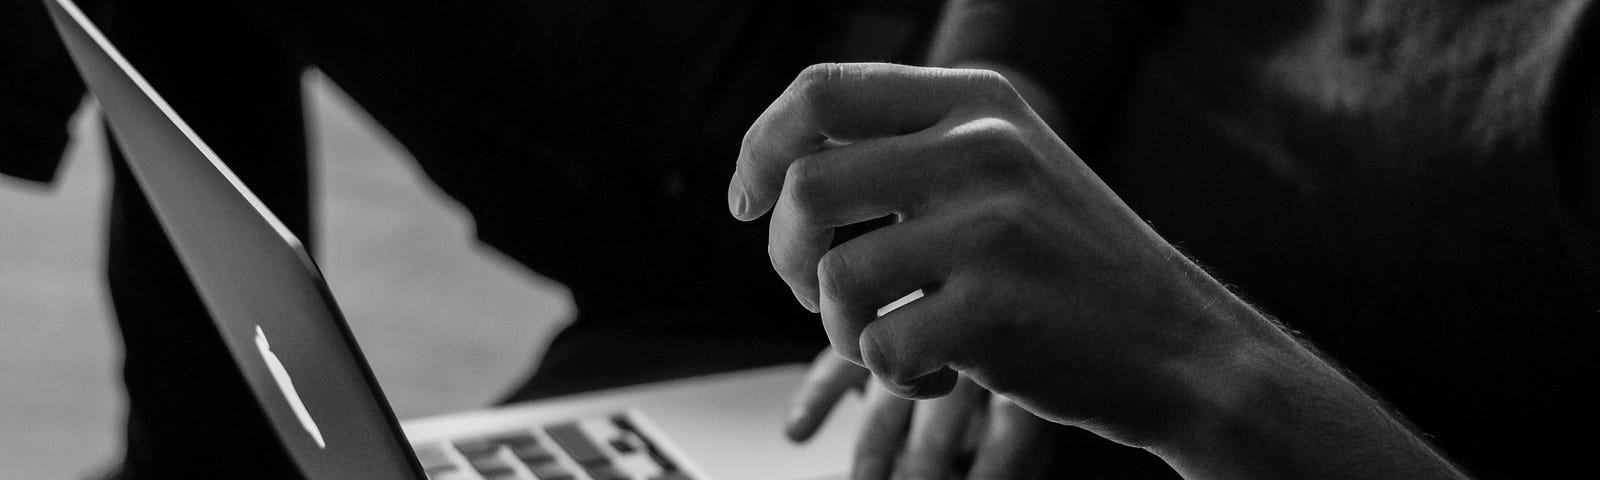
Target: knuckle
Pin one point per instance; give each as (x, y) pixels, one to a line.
(1013, 212)
(822, 72)
(790, 266)
(836, 275)
(998, 148)
(807, 191)
(985, 133)
(990, 79)
(995, 86)
(816, 84)
(883, 358)
(1005, 221)
(897, 362)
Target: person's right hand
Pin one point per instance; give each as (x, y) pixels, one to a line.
(1041, 285)
(968, 434)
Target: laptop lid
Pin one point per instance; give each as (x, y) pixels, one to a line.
(265, 295)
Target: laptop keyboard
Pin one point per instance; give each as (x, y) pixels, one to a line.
(597, 448)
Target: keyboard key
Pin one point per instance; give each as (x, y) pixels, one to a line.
(432, 456)
(444, 471)
(638, 439)
(550, 471)
(622, 445)
(477, 447)
(661, 459)
(506, 475)
(577, 444)
(457, 474)
(490, 464)
(511, 438)
(532, 453)
(623, 423)
(606, 471)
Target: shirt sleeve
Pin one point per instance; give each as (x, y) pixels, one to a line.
(1083, 52)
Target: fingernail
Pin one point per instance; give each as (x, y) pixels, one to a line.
(798, 414)
(795, 425)
(737, 204)
(806, 301)
(906, 391)
(936, 384)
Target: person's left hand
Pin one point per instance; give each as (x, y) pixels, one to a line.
(969, 434)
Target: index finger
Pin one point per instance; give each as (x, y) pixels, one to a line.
(829, 379)
(842, 103)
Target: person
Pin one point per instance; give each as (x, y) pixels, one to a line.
(1411, 188)
(1398, 275)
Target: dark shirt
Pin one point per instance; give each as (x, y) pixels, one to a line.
(1412, 185)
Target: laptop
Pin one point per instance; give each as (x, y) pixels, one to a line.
(306, 372)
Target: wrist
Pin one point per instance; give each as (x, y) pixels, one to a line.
(1265, 406)
(1222, 381)
(1221, 410)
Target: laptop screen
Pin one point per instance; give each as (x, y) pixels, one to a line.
(265, 295)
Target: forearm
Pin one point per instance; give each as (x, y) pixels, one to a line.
(1272, 408)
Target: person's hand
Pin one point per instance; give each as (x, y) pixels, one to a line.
(969, 434)
(1042, 286)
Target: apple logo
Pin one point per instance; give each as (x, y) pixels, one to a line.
(286, 385)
